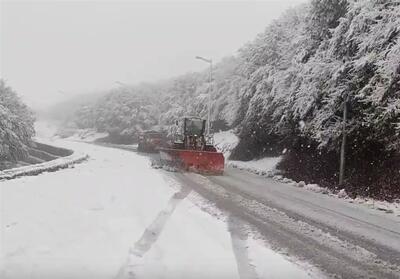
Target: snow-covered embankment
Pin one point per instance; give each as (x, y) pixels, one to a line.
(65, 159)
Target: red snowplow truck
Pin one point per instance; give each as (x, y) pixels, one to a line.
(150, 141)
(191, 150)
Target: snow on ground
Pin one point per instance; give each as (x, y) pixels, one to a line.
(53, 165)
(225, 142)
(388, 207)
(264, 165)
(276, 263)
(87, 135)
(114, 217)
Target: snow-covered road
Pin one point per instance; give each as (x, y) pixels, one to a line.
(116, 217)
(342, 239)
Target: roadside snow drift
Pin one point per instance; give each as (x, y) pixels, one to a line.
(267, 164)
(225, 142)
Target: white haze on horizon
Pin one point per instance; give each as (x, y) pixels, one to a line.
(51, 51)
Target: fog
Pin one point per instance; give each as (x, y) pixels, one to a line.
(51, 51)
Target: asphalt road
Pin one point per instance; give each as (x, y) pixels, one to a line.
(340, 238)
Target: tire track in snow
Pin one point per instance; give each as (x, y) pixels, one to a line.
(151, 235)
(236, 227)
(239, 235)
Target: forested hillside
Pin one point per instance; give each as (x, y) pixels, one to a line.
(125, 111)
(302, 68)
(286, 89)
(16, 125)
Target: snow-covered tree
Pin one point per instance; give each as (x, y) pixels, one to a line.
(127, 111)
(16, 125)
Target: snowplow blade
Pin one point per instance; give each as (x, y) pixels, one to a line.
(204, 162)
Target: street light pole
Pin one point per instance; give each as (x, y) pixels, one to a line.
(209, 61)
(209, 101)
(343, 147)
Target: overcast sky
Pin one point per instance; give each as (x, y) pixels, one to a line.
(52, 50)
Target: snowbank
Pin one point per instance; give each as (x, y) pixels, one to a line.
(49, 166)
(388, 207)
(43, 131)
(225, 142)
(265, 166)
